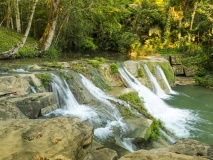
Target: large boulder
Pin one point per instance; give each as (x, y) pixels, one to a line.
(34, 105)
(61, 138)
(13, 85)
(186, 149)
(132, 67)
(192, 148)
(113, 79)
(98, 151)
(175, 60)
(139, 129)
(9, 111)
(185, 81)
(158, 154)
(189, 71)
(178, 69)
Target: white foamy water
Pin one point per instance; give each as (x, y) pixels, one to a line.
(106, 121)
(163, 76)
(68, 103)
(20, 70)
(114, 125)
(177, 120)
(156, 87)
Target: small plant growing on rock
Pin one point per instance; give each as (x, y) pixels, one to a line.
(45, 80)
(114, 68)
(140, 73)
(134, 100)
(156, 129)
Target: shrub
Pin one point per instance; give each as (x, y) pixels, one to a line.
(26, 52)
(51, 53)
(114, 68)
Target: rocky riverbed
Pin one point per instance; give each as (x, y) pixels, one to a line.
(26, 97)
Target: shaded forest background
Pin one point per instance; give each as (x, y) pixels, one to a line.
(134, 27)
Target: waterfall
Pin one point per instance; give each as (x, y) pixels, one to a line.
(156, 87)
(113, 125)
(177, 120)
(32, 89)
(106, 121)
(163, 77)
(68, 103)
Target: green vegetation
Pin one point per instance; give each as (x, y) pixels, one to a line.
(80, 67)
(99, 81)
(52, 53)
(134, 100)
(140, 73)
(157, 124)
(114, 68)
(52, 64)
(151, 67)
(66, 75)
(126, 112)
(165, 66)
(9, 38)
(45, 79)
(94, 63)
(134, 27)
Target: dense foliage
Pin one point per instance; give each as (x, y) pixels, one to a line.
(136, 27)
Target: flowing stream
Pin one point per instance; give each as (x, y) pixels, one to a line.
(106, 121)
(200, 101)
(177, 120)
(156, 87)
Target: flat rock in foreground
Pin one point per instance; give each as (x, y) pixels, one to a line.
(61, 138)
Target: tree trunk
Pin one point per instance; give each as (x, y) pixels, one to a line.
(47, 37)
(14, 50)
(167, 28)
(18, 20)
(8, 19)
(192, 21)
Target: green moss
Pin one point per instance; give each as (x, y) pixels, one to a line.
(99, 81)
(134, 100)
(80, 67)
(155, 133)
(151, 67)
(52, 64)
(126, 112)
(45, 80)
(114, 68)
(94, 63)
(140, 73)
(100, 59)
(167, 69)
(66, 75)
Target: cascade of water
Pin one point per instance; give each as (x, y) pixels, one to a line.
(32, 89)
(175, 119)
(107, 122)
(68, 103)
(163, 77)
(20, 70)
(156, 87)
(108, 130)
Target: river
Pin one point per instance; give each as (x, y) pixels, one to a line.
(200, 101)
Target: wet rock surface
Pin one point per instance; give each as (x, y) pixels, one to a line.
(62, 138)
(186, 149)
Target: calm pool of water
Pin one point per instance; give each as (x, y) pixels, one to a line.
(200, 101)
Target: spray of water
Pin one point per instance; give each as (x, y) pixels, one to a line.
(174, 119)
